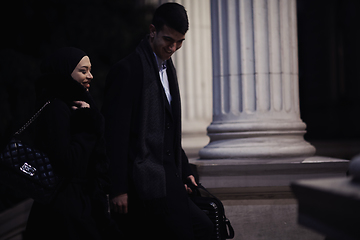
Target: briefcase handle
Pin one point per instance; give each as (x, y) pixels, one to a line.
(203, 188)
(230, 233)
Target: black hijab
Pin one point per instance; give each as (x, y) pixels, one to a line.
(56, 80)
(63, 61)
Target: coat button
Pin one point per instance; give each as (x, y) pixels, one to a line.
(168, 152)
(167, 125)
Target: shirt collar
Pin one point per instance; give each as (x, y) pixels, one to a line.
(160, 63)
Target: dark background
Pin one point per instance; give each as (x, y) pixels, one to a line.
(328, 41)
(105, 30)
(30, 30)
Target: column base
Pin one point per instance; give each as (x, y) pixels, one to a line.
(260, 140)
(258, 147)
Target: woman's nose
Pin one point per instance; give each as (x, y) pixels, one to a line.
(90, 75)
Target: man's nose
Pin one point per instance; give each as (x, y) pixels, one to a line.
(172, 47)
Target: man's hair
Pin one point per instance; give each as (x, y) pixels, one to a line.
(172, 15)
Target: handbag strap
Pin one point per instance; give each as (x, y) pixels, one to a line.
(231, 232)
(31, 120)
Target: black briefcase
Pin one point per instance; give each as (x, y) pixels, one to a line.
(214, 209)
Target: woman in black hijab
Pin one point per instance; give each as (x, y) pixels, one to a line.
(70, 130)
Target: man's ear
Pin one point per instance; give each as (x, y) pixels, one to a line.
(152, 30)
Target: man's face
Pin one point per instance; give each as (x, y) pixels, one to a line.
(165, 42)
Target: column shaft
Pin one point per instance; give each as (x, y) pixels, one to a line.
(255, 81)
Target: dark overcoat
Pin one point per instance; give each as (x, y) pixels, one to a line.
(74, 142)
(143, 132)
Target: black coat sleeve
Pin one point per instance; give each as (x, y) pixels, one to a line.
(186, 170)
(70, 150)
(120, 105)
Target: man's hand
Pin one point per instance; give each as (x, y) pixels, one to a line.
(192, 180)
(119, 204)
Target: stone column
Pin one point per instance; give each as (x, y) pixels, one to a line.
(255, 82)
(194, 69)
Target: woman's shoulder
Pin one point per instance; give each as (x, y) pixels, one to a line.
(56, 106)
(58, 103)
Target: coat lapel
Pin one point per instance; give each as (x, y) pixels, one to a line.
(167, 105)
(174, 91)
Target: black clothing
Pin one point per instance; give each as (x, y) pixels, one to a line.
(143, 135)
(166, 226)
(74, 142)
(138, 120)
(62, 62)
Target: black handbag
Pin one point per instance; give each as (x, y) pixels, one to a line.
(214, 209)
(27, 169)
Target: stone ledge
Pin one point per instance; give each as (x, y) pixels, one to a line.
(13, 221)
(329, 206)
(252, 193)
(240, 173)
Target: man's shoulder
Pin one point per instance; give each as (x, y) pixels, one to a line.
(133, 59)
(128, 69)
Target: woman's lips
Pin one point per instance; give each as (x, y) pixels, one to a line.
(86, 84)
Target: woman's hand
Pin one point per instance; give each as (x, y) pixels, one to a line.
(80, 104)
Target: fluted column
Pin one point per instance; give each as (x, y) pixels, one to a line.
(194, 68)
(255, 81)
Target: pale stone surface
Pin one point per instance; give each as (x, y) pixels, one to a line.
(13, 220)
(329, 206)
(228, 173)
(255, 78)
(193, 64)
(256, 193)
(264, 219)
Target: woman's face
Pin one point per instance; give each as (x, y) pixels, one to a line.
(82, 73)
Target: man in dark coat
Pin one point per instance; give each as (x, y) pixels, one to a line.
(143, 133)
